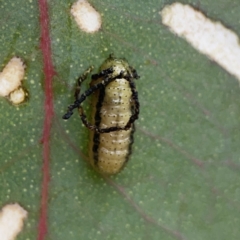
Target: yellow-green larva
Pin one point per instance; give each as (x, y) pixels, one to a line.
(115, 108)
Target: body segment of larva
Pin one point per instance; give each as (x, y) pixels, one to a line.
(112, 107)
(115, 107)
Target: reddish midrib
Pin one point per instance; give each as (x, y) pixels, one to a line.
(49, 112)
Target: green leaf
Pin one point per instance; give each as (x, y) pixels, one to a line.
(182, 180)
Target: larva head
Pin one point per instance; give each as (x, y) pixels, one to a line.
(119, 65)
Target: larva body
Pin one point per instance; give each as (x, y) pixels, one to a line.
(112, 107)
(115, 107)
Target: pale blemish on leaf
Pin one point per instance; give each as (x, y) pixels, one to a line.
(87, 18)
(18, 96)
(208, 37)
(11, 79)
(11, 221)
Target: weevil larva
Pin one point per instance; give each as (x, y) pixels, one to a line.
(115, 107)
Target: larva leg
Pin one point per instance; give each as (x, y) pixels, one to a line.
(80, 80)
(82, 97)
(77, 94)
(136, 105)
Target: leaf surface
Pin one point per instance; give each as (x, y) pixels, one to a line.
(182, 180)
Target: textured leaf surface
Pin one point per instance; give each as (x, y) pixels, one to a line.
(182, 181)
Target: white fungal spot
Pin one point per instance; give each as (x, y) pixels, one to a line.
(11, 221)
(208, 37)
(87, 18)
(17, 96)
(11, 76)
